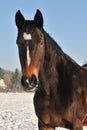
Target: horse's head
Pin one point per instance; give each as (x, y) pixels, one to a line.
(30, 43)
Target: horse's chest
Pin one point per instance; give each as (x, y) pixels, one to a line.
(46, 112)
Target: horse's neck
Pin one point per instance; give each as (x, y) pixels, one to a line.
(49, 75)
(52, 52)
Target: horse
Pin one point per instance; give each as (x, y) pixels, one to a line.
(59, 82)
(84, 66)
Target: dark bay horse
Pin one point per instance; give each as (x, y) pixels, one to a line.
(60, 84)
(84, 66)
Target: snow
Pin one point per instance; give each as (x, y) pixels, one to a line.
(17, 112)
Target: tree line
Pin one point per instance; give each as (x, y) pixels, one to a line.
(11, 79)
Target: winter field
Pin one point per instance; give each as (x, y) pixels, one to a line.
(17, 112)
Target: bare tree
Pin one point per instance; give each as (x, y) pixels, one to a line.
(7, 79)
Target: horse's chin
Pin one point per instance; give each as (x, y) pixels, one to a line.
(30, 88)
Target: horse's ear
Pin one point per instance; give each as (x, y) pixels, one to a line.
(19, 20)
(38, 19)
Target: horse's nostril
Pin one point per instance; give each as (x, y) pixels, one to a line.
(29, 83)
(33, 80)
(25, 81)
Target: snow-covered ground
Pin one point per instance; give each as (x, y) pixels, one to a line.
(17, 112)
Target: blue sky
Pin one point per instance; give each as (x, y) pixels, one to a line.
(64, 20)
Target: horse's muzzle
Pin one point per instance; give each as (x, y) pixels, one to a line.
(29, 83)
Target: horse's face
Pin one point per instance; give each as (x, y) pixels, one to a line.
(30, 43)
